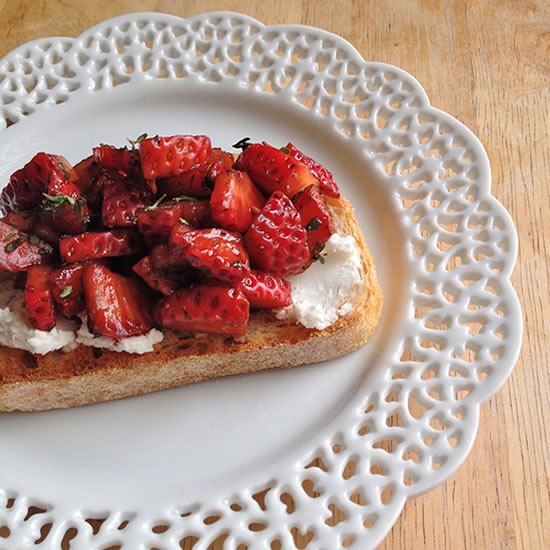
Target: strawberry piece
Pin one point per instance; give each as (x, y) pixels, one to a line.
(44, 173)
(326, 180)
(220, 161)
(43, 227)
(38, 298)
(117, 159)
(277, 240)
(20, 220)
(157, 223)
(122, 202)
(191, 183)
(265, 291)
(94, 245)
(91, 180)
(234, 200)
(166, 283)
(161, 157)
(164, 258)
(316, 217)
(19, 250)
(117, 306)
(272, 170)
(211, 309)
(220, 253)
(67, 290)
(65, 214)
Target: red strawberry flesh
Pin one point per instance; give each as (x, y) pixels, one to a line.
(38, 298)
(277, 241)
(95, 245)
(265, 291)
(219, 253)
(210, 309)
(67, 290)
(117, 306)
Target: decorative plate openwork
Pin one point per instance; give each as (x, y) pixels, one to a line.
(323, 456)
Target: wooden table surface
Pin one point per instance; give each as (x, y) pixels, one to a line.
(488, 64)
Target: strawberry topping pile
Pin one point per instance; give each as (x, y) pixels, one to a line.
(169, 232)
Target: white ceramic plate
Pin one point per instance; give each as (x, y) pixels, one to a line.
(328, 451)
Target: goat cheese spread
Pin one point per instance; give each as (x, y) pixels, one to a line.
(327, 289)
(16, 331)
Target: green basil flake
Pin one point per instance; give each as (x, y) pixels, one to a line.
(137, 141)
(54, 201)
(184, 222)
(65, 171)
(285, 150)
(34, 239)
(322, 258)
(313, 224)
(66, 292)
(242, 144)
(9, 236)
(185, 198)
(155, 204)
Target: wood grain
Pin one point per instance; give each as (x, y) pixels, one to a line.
(487, 63)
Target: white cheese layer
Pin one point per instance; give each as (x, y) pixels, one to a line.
(16, 331)
(326, 290)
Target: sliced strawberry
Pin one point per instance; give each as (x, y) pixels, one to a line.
(220, 161)
(192, 183)
(20, 220)
(118, 159)
(19, 250)
(164, 258)
(122, 202)
(45, 173)
(67, 290)
(156, 223)
(94, 245)
(90, 181)
(265, 291)
(234, 200)
(272, 170)
(43, 227)
(161, 157)
(117, 306)
(277, 240)
(316, 217)
(219, 253)
(65, 214)
(211, 309)
(326, 180)
(165, 282)
(38, 298)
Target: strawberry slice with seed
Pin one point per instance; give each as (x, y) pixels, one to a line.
(265, 291)
(103, 244)
(273, 170)
(165, 282)
(277, 241)
(326, 180)
(65, 214)
(117, 306)
(67, 290)
(157, 222)
(210, 309)
(38, 298)
(122, 202)
(165, 258)
(219, 162)
(161, 157)
(316, 217)
(44, 173)
(234, 200)
(20, 250)
(118, 159)
(219, 253)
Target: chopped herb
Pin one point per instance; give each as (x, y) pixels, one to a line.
(54, 201)
(66, 292)
(185, 198)
(11, 246)
(285, 150)
(155, 205)
(314, 224)
(242, 144)
(106, 145)
(34, 239)
(9, 236)
(184, 222)
(86, 219)
(137, 141)
(322, 258)
(65, 171)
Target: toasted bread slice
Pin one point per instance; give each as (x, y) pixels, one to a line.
(90, 375)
